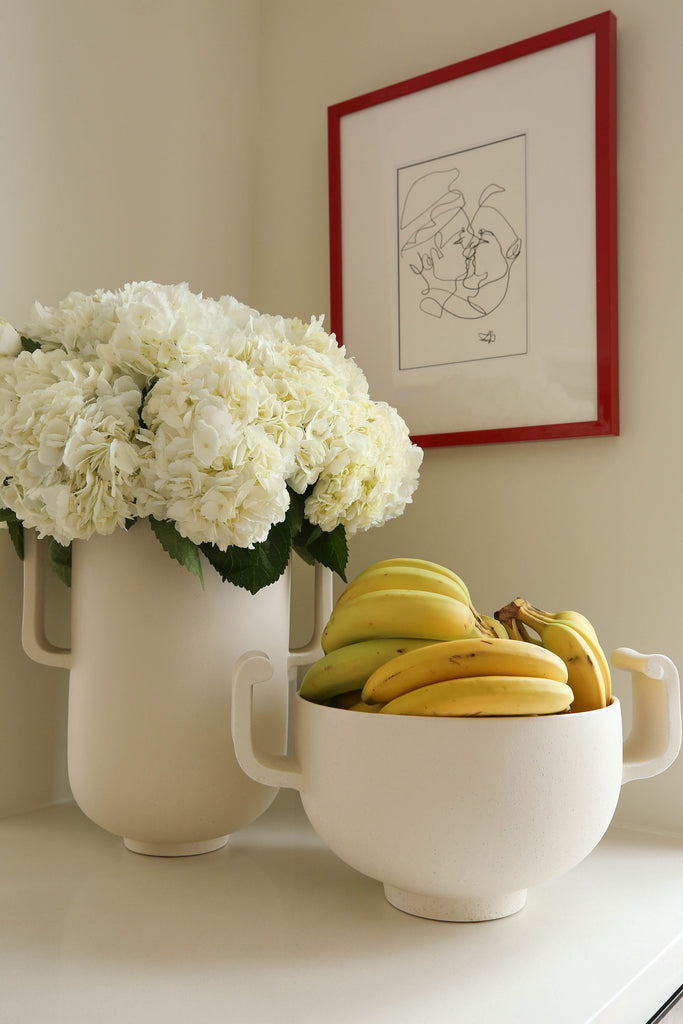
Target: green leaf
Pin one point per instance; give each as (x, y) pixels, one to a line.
(15, 528)
(302, 551)
(256, 567)
(16, 533)
(59, 557)
(330, 549)
(182, 549)
(28, 345)
(295, 512)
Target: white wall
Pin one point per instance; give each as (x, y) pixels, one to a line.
(593, 524)
(135, 145)
(127, 132)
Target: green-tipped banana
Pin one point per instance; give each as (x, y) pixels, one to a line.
(484, 696)
(397, 613)
(589, 675)
(458, 659)
(349, 667)
(405, 577)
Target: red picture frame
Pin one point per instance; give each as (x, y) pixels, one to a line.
(375, 312)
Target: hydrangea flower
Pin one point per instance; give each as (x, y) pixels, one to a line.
(155, 402)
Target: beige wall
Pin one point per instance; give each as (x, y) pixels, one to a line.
(145, 136)
(594, 524)
(127, 131)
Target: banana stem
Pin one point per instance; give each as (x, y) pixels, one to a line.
(524, 633)
(521, 613)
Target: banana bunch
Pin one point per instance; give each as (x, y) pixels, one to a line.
(472, 676)
(405, 638)
(572, 638)
(391, 608)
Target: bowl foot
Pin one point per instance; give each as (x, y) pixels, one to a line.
(175, 849)
(449, 908)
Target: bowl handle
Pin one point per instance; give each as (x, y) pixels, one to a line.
(271, 769)
(655, 737)
(33, 638)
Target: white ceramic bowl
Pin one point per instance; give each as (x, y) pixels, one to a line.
(458, 817)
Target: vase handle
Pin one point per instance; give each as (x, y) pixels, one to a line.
(655, 737)
(322, 609)
(33, 638)
(276, 770)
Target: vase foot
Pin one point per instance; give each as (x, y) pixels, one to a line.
(175, 849)
(447, 908)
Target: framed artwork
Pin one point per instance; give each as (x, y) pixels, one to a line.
(473, 249)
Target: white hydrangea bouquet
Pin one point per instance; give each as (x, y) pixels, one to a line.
(240, 435)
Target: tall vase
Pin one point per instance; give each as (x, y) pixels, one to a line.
(149, 746)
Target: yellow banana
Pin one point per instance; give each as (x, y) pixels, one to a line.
(416, 563)
(404, 577)
(496, 628)
(523, 634)
(461, 591)
(516, 630)
(578, 621)
(583, 626)
(591, 682)
(458, 659)
(348, 667)
(397, 613)
(484, 696)
(511, 628)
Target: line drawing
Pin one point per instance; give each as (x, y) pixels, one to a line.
(463, 256)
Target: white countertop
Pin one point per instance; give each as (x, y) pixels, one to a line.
(275, 929)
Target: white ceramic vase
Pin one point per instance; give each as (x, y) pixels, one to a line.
(150, 752)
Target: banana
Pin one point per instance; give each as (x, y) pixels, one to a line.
(397, 613)
(360, 706)
(516, 630)
(524, 634)
(416, 563)
(351, 702)
(484, 627)
(578, 621)
(458, 659)
(589, 672)
(404, 577)
(484, 696)
(496, 628)
(348, 667)
(512, 630)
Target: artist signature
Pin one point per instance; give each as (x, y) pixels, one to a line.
(487, 336)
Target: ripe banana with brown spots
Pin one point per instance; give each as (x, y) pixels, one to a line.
(459, 659)
(483, 696)
(572, 637)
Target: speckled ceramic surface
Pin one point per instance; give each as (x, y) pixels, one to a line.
(150, 752)
(458, 817)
